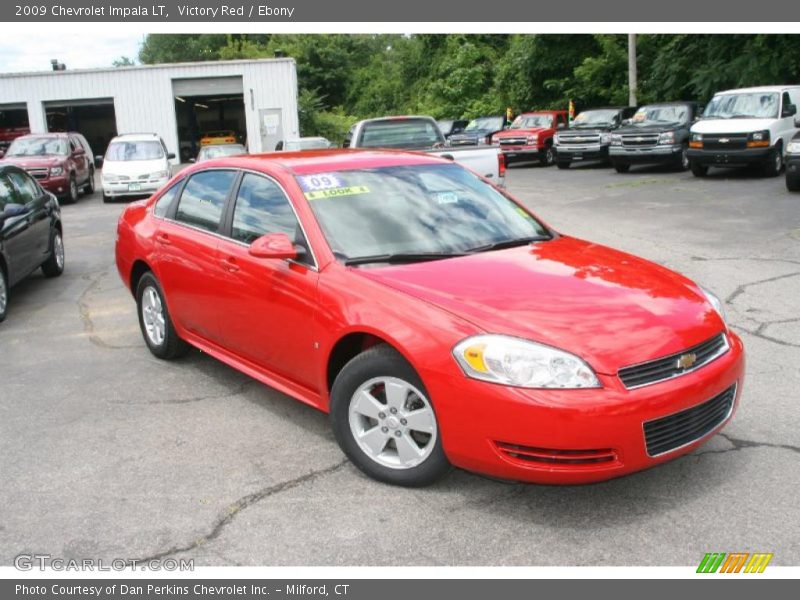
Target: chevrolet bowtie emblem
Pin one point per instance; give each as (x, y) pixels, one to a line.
(724, 140)
(686, 361)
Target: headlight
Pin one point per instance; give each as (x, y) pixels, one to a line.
(668, 137)
(110, 178)
(495, 141)
(697, 137)
(616, 139)
(793, 148)
(56, 170)
(605, 138)
(533, 139)
(521, 363)
(758, 139)
(159, 175)
(715, 302)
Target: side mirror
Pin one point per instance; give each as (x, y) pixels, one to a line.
(789, 110)
(11, 210)
(273, 245)
(561, 126)
(279, 146)
(797, 121)
(98, 161)
(2, 152)
(171, 156)
(78, 152)
(191, 160)
(626, 121)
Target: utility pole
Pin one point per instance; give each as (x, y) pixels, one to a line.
(632, 77)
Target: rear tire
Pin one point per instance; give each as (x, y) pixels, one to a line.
(88, 187)
(562, 164)
(774, 164)
(621, 167)
(54, 265)
(548, 158)
(698, 170)
(3, 295)
(384, 422)
(154, 320)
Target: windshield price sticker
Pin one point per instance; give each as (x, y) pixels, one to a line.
(446, 197)
(322, 181)
(336, 192)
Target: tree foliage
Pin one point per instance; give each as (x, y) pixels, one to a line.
(342, 78)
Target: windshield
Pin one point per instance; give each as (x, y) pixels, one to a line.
(41, 146)
(220, 151)
(439, 209)
(306, 144)
(144, 150)
(486, 124)
(661, 114)
(532, 122)
(762, 105)
(595, 118)
(400, 133)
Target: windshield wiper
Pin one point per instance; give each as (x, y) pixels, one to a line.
(509, 243)
(400, 257)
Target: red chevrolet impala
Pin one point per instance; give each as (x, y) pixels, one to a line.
(433, 316)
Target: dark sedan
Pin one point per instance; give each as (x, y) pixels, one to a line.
(30, 231)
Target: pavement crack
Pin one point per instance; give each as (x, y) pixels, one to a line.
(231, 511)
(740, 444)
(85, 312)
(741, 289)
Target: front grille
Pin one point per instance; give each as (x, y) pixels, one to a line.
(636, 140)
(734, 141)
(464, 142)
(552, 456)
(566, 138)
(37, 173)
(677, 430)
(674, 364)
(513, 141)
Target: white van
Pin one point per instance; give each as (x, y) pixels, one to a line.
(750, 126)
(135, 164)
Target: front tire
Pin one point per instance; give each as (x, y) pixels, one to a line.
(562, 164)
(88, 187)
(384, 422)
(682, 163)
(793, 183)
(73, 192)
(698, 170)
(3, 295)
(774, 164)
(154, 320)
(548, 158)
(106, 199)
(621, 167)
(54, 265)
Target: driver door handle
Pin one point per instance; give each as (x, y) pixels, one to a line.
(229, 264)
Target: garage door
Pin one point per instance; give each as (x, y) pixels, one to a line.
(78, 102)
(207, 86)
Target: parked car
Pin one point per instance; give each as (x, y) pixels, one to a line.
(751, 126)
(793, 162)
(8, 135)
(531, 136)
(478, 131)
(225, 136)
(30, 231)
(658, 134)
(451, 126)
(589, 135)
(135, 164)
(304, 143)
(62, 163)
(422, 134)
(219, 151)
(434, 317)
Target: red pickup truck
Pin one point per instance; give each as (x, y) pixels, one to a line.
(531, 136)
(8, 135)
(62, 163)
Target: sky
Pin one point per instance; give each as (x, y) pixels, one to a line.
(78, 50)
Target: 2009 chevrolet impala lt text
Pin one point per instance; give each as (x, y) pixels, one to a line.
(432, 315)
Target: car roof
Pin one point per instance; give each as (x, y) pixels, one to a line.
(541, 112)
(322, 161)
(48, 134)
(673, 103)
(763, 88)
(137, 137)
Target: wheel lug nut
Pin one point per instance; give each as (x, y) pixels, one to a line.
(393, 410)
(403, 422)
(382, 415)
(385, 429)
(398, 433)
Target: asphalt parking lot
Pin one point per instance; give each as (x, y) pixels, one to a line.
(107, 452)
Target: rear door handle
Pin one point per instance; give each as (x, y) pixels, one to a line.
(229, 264)
(163, 238)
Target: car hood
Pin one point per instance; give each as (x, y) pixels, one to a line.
(731, 125)
(587, 130)
(649, 129)
(134, 168)
(469, 135)
(608, 307)
(518, 132)
(33, 162)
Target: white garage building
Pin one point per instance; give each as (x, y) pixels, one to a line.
(257, 99)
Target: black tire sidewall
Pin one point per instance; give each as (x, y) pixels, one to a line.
(172, 346)
(74, 192)
(50, 267)
(381, 361)
(4, 312)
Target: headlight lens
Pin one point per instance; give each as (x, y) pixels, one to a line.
(56, 170)
(793, 148)
(668, 137)
(616, 139)
(521, 363)
(495, 141)
(715, 301)
(110, 178)
(759, 136)
(697, 137)
(532, 139)
(159, 175)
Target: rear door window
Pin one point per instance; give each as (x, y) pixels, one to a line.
(202, 201)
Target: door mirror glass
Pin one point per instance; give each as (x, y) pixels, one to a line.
(170, 156)
(273, 245)
(789, 110)
(98, 161)
(11, 210)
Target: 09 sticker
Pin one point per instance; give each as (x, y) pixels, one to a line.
(321, 181)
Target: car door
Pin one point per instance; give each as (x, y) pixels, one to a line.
(79, 160)
(787, 128)
(186, 251)
(35, 232)
(266, 306)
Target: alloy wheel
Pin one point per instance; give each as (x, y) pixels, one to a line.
(3, 294)
(58, 250)
(155, 324)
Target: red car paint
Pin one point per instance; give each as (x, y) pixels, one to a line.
(518, 142)
(280, 321)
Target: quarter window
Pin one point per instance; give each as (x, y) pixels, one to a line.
(203, 199)
(165, 201)
(261, 208)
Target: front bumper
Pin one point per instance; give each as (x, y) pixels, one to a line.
(733, 158)
(646, 155)
(575, 152)
(522, 151)
(58, 185)
(129, 189)
(477, 419)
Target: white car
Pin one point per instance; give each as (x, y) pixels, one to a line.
(750, 126)
(135, 164)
